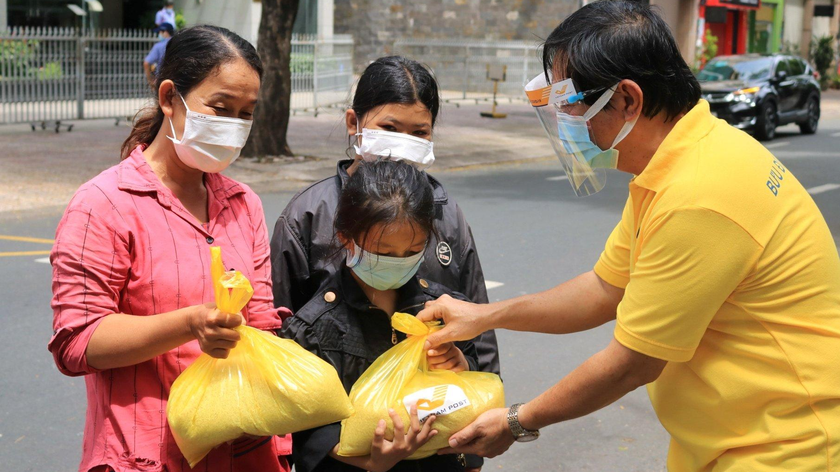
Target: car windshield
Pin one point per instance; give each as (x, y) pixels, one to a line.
(736, 68)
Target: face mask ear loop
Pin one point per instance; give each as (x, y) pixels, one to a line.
(625, 130)
(172, 126)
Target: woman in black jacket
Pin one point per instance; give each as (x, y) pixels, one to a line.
(384, 220)
(393, 115)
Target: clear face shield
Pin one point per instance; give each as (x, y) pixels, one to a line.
(565, 118)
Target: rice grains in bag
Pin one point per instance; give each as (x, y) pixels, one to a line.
(401, 378)
(267, 386)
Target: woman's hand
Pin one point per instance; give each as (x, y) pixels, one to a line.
(385, 454)
(447, 357)
(214, 329)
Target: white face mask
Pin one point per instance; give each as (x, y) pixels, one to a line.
(210, 143)
(378, 144)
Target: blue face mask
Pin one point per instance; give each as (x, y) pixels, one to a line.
(573, 132)
(383, 272)
(161, 37)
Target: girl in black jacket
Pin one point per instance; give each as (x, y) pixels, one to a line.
(384, 220)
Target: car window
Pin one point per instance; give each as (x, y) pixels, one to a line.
(736, 68)
(797, 67)
(783, 66)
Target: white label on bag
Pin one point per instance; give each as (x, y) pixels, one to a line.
(438, 401)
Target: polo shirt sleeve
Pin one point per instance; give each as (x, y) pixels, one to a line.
(690, 261)
(613, 266)
(156, 53)
(90, 262)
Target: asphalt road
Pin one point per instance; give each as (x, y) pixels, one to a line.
(532, 233)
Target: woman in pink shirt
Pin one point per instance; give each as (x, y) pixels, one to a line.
(132, 298)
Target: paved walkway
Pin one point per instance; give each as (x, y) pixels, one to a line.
(42, 169)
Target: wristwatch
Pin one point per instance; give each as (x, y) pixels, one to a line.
(519, 433)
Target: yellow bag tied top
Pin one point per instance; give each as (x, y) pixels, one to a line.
(267, 386)
(400, 378)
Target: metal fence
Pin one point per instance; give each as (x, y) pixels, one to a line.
(461, 65)
(52, 74)
(322, 72)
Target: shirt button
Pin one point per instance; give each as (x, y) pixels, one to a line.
(329, 297)
(210, 240)
(423, 283)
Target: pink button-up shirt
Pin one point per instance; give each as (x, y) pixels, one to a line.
(127, 245)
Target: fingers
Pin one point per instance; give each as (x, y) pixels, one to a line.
(464, 437)
(437, 338)
(399, 427)
(446, 357)
(415, 421)
(427, 432)
(432, 312)
(379, 435)
(218, 353)
(227, 320)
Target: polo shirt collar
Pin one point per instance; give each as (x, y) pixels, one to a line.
(689, 130)
(136, 175)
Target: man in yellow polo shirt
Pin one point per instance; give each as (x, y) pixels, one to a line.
(722, 275)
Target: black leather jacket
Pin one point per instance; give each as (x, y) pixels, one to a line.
(341, 326)
(303, 254)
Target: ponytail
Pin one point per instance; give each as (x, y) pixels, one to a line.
(147, 123)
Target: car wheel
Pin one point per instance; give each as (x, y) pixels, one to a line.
(809, 126)
(766, 122)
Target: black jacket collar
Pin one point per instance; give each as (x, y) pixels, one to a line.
(437, 188)
(410, 297)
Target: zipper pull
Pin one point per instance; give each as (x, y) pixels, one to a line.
(394, 339)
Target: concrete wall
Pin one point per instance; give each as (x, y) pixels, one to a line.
(793, 22)
(4, 11)
(376, 24)
(239, 16)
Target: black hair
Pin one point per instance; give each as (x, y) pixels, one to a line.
(384, 192)
(396, 79)
(191, 55)
(607, 41)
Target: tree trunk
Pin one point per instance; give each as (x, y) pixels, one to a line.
(271, 117)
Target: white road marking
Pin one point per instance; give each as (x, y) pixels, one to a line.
(558, 177)
(823, 188)
(491, 285)
(777, 145)
(835, 135)
(43, 260)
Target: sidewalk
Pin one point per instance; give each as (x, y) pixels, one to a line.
(42, 169)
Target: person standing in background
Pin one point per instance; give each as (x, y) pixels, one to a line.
(166, 14)
(155, 57)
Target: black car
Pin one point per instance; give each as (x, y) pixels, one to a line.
(758, 92)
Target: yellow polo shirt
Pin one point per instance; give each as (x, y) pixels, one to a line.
(731, 274)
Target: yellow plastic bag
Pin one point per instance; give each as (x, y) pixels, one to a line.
(267, 386)
(401, 378)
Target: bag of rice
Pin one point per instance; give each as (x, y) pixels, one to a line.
(401, 378)
(267, 385)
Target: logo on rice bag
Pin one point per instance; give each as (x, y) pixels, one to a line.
(439, 401)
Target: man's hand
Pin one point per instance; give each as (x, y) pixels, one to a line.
(487, 436)
(463, 320)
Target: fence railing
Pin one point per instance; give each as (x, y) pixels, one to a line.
(461, 65)
(55, 74)
(322, 72)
